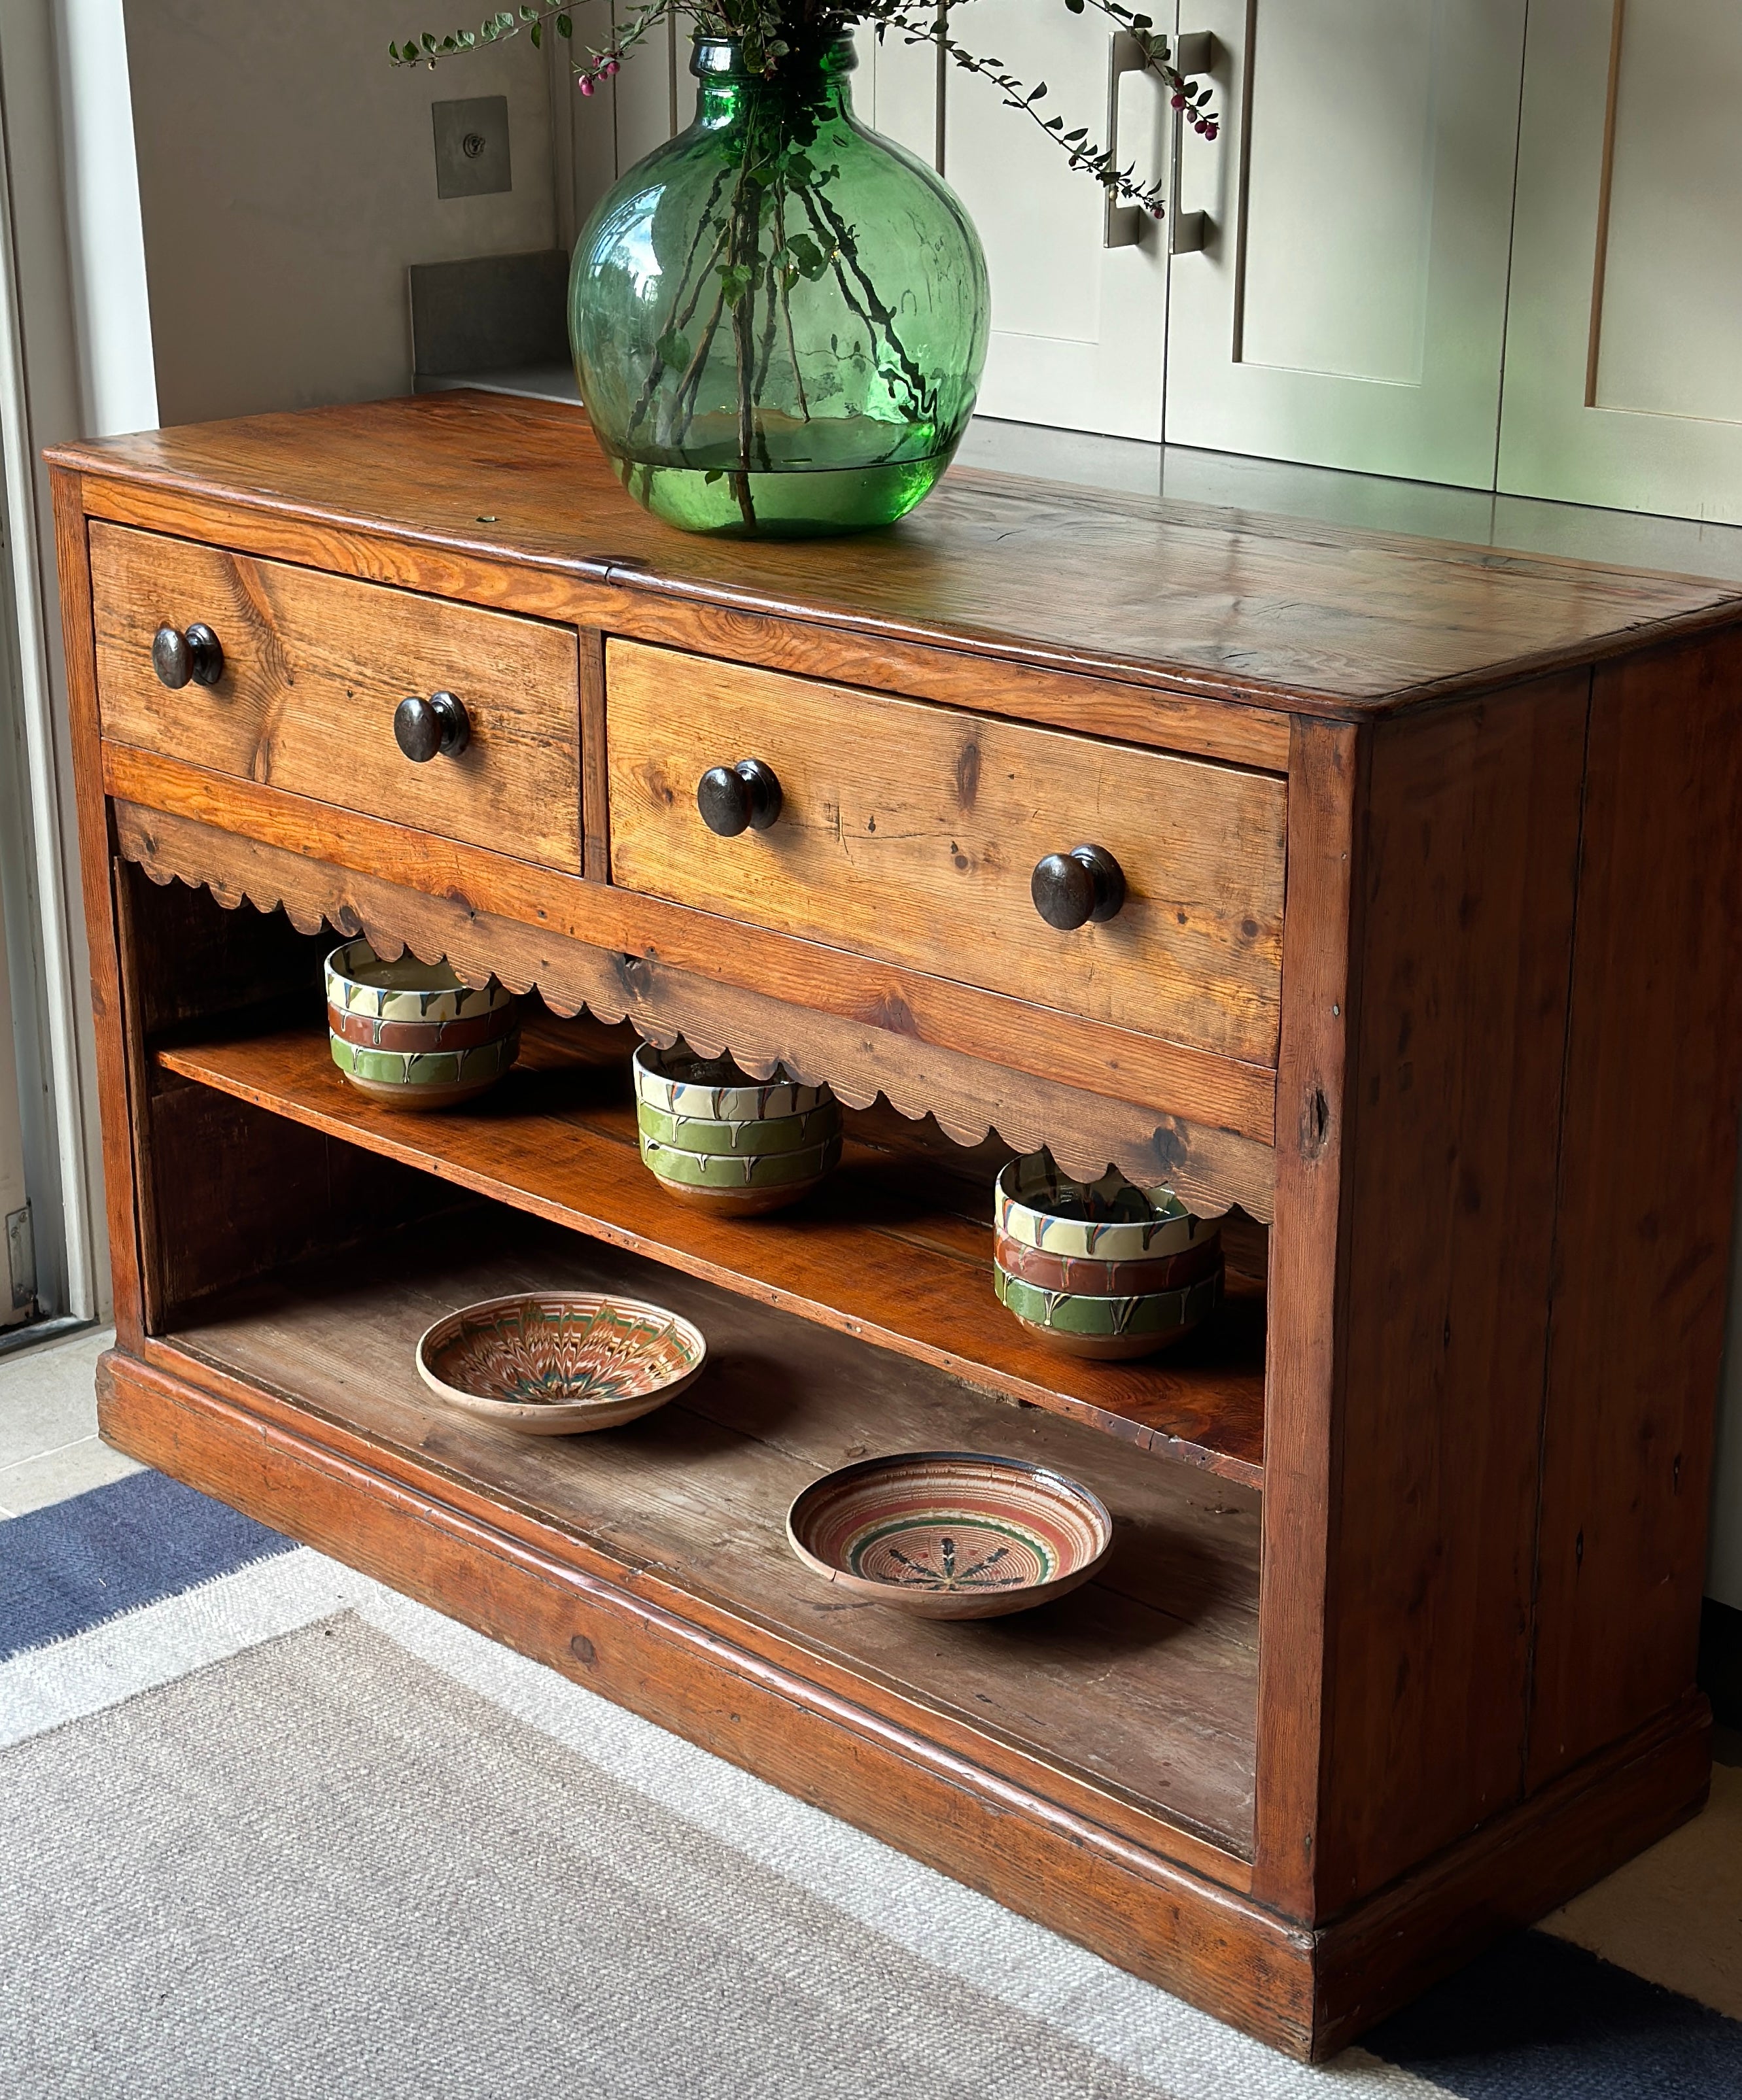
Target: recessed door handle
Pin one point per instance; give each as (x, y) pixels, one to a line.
(1191, 58)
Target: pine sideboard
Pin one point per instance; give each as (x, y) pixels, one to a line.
(1428, 978)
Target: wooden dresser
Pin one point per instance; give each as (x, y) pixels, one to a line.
(1429, 974)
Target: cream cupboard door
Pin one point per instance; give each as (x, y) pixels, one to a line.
(1078, 329)
(1348, 308)
(1624, 349)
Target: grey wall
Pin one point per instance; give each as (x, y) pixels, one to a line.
(287, 176)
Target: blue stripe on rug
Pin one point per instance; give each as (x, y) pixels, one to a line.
(75, 1564)
(1538, 2018)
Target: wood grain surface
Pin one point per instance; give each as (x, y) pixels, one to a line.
(239, 826)
(1467, 873)
(1211, 1170)
(1308, 1309)
(1144, 1688)
(814, 642)
(121, 1195)
(893, 1249)
(1642, 1255)
(315, 666)
(909, 832)
(1200, 600)
(935, 1788)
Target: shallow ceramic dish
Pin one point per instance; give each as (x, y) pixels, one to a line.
(555, 1363)
(1112, 1330)
(739, 1170)
(419, 1079)
(1112, 1219)
(358, 981)
(761, 1135)
(679, 1083)
(950, 1534)
(1084, 1273)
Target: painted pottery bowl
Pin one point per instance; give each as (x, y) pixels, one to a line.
(950, 1534)
(358, 981)
(749, 1183)
(1112, 1219)
(1111, 1328)
(677, 1083)
(554, 1363)
(370, 1031)
(418, 1079)
(760, 1134)
(739, 1170)
(1085, 1273)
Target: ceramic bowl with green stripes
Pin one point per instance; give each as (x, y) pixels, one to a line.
(680, 1082)
(741, 1172)
(716, 1137)
(1111, 1220)
(758, 1135)
(1110, 1328)
(425, 1078)
(358, 981)
(410, 1034)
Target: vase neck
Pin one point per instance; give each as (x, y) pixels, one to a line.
(814, 80)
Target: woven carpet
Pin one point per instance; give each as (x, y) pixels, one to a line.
(267, 1829)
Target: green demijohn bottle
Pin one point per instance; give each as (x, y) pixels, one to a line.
(779, 317)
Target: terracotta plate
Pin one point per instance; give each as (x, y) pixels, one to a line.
(552, 1363)
(950, 1534)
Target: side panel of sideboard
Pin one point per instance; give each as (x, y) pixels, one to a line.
(1469, 855)
(1647, 1179)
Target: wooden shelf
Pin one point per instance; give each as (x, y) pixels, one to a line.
(1136, 1695)
(894, 1249)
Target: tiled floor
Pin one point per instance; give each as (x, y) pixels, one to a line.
(49, 1446)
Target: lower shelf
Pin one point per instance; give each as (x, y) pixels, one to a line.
(1133, 1698)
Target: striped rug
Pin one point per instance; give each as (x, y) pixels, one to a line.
(267, 1829)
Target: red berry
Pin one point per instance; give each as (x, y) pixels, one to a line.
(585, 83)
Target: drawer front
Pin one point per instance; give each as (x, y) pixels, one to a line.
(909, 832)
(314, 666)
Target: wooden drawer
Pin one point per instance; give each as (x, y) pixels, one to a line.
(315, 666)
(909, 832)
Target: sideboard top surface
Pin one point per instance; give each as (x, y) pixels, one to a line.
(1227, 604)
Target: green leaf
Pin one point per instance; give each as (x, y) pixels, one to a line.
(673, 348)
(565, 26)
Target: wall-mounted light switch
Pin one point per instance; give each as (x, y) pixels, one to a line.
(471, 147)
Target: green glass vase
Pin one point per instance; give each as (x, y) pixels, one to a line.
(779, 317)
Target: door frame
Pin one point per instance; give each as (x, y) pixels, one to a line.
(75, 355)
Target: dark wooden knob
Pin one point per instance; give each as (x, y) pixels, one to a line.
(734, 798)
(1069, 889)
(178, 655)
(424, 729)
